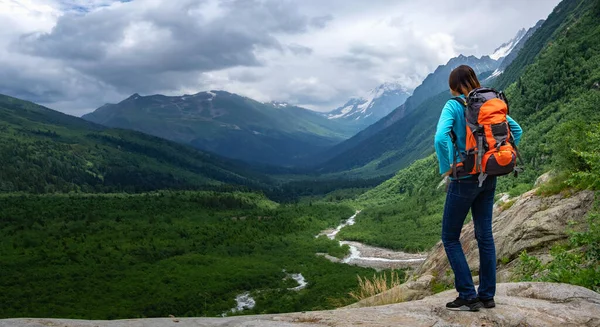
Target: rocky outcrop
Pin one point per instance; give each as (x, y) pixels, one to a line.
(529, 222)
(518, 304)
(532, 223)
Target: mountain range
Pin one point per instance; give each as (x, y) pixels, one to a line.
(514, 45)
(228, 124)
(506, 48)
(349, 154)
(281, 134)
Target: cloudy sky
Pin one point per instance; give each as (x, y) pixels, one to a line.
(75, 55)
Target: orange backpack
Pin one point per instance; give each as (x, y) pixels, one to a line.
(489, 149)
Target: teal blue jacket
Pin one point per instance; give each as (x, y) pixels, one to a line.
(453, 119)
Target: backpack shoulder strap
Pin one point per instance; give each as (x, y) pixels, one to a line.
(453, 137)
(484, 90)
(502, 97)
(463, 103)
(460, 100)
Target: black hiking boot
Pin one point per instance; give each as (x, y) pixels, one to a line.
(464, 305)
(488, 304)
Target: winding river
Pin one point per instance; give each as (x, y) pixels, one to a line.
(245, 301)
(369, 256)
(360, 255)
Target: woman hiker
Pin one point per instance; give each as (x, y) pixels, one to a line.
(465, 192)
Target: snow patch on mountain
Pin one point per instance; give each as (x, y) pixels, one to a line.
(503, 50)
(278, 104)
(496, 73)
(345, 110)
(377, 103)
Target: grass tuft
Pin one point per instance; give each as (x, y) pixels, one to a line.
(369, 288)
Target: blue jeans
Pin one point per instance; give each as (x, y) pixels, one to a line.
(463, 195)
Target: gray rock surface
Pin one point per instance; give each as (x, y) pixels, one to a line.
(544, 178)
(518, 304)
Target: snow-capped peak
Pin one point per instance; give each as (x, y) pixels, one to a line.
(503, 50)
(375, 104)
(387, 87)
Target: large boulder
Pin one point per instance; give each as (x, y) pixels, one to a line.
(518, 304)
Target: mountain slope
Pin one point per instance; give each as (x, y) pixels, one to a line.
(520, 39)
(506, 48)
(565, 13)
(508, 59)
(433, 84)
(43, 151)
(396, 146)
(378, 103)
(227, 124)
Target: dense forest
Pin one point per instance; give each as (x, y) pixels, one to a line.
(151, 255)
(44, 151)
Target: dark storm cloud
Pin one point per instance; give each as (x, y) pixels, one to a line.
(141, 48)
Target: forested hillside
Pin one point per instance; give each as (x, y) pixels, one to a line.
(566, 13)
(44, 151)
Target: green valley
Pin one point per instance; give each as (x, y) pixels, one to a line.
(165, 253)
(182, 206)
